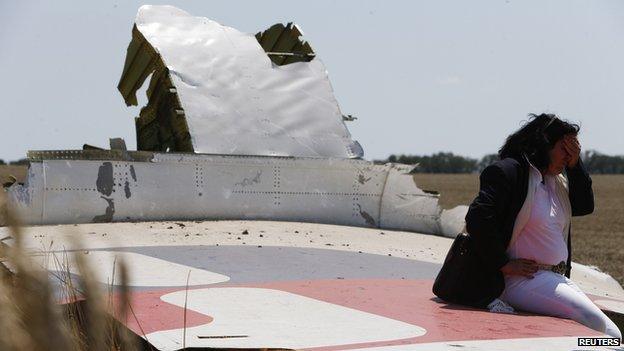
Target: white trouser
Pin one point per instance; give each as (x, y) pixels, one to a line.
(553, 294)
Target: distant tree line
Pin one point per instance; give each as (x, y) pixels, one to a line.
(598, 163)
(442, 162)
(23, 161)
(447, 162)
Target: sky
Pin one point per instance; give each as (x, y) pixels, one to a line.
(420, 76)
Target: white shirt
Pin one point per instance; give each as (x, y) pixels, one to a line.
(542, 237)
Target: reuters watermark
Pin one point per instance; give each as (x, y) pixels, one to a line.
(599, 342)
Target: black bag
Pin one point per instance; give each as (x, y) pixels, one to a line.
(464, 278)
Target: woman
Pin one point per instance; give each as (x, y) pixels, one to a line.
(520, 222)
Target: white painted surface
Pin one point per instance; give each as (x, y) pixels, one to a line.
(452, 221)
(236, 101)
(142, 270)
(524, 344)
(407, 245)
(595, 282)
(616, 306)
(28, 199)
(200, 187)
(274, 318)
(406, 207)
(422, 247)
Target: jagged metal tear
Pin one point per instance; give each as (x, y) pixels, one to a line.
(110, 186)
(235, 100)
(240, 108)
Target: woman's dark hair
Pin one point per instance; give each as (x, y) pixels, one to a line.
(536, 138)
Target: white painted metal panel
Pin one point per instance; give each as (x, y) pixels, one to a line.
(142, 270)
(236, 101)
(345, 297)
(71, 194)
(268, 317)
(28, 199)
(405, 206)
(189, 187)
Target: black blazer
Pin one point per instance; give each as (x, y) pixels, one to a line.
(492, 214)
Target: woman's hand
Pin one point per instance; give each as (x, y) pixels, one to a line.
(520, 266)
(572, 148)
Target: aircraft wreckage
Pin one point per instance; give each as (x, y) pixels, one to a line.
(237, 127)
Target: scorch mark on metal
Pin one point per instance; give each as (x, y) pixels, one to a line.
(108, 215)
(133, 173)
(362, 179)
(104, 180)
(367, 217)
(127, 189)
(249, 181)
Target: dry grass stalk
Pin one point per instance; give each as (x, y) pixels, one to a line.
(32, 317)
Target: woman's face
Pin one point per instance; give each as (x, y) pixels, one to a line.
(559, 158)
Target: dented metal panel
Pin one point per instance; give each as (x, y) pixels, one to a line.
(231, 131)
(218, 87)
(28, 199)
(405, 206)
(283, 154)
(167, 186)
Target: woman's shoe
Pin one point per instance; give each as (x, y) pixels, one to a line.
(500, 306)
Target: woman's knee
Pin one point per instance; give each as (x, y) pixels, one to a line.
(573, 285)
(542, 302)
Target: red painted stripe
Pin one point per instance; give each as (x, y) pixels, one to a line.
(410, 301)
(150, 314)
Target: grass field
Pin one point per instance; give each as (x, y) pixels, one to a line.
(18, 171)
(597, 239)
